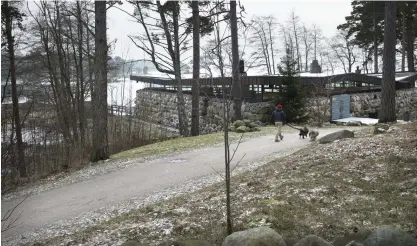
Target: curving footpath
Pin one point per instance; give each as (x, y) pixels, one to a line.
(138, 181)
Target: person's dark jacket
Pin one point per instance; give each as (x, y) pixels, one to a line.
(278, 116)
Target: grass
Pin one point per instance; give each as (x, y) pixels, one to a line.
(188, 143)
(326, 190)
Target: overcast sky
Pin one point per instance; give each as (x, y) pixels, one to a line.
(325, 13)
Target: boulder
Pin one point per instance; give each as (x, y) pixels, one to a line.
(265, 118)
(192, 243)
(359, 236)
(381, 128)
(252, 125)
(259, 123)
(242, 129)
(336, 136)
(239, 123)
(387, 235)
(264, 236)
(247, 122)
(312, 240)
(354, 123)
(265, 110)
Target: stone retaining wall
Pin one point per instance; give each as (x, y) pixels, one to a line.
(161, 107)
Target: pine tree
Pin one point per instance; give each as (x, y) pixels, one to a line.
(293, 96)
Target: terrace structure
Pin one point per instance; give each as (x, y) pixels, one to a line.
(257, 88)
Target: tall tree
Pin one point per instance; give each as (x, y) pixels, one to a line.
(9, 14)
(307, 40)
(165, 40)
(195, 111)
(387, 112)
(365, 23)
(236, 87)
(293, 95)
(99, 98)
(411, 33)
(345, 50)
(294, 19)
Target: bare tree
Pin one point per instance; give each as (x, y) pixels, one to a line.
(307, 40)
(7, 221)
(99, 97)
(236, 88)
(317, 38)
(195, 111)
(345, 50)
(294, 19)
(262, 40)
(9, 14)
(164, 33)
(387, 113)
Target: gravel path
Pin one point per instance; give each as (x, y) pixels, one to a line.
(63, 209)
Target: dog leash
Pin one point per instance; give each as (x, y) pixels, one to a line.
(292, 126)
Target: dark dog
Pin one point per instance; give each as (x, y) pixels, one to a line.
(303, 131)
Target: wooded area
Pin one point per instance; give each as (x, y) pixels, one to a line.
(57, 54)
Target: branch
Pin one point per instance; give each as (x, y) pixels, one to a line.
(7, 226)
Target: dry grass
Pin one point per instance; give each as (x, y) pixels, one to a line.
(188, 143)
(325, 190)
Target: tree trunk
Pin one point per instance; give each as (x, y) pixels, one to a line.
(81, 105)
(297, 47)
(236, 88)
(375, 43)
(15, 96)
(182, 115)
(195, 115)
(387, 113)
(410, 39)
(404, 35)
(271, 43)
(99, 98)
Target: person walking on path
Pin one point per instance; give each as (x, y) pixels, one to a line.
(278, 118)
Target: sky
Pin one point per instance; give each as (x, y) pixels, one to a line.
(327, 14)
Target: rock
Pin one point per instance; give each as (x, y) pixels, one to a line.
(354, 123)
(192, 243)
(336, 135)
(232, 128)
(239, 123)
(247, 122)
(259, 123)
(252, 125)
(133, 243)
(264, 236)
(265, 118)
(380, 128)
(387, 235)
(242, 129)
(312, 240)
(360, 236)
(265, 110)
(289, 241)
(382, 125)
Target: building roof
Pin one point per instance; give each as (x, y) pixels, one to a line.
(305, 79)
